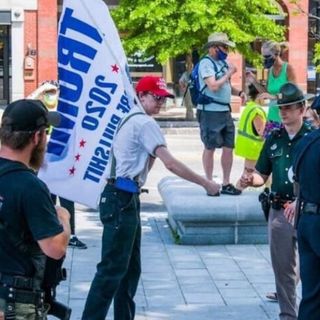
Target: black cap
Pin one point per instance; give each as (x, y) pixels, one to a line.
(29, 115)
(291, 94)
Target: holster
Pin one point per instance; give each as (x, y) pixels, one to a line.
(264, 199)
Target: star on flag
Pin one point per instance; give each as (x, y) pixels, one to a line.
(115, 68)
(72, 171)
(82, 143)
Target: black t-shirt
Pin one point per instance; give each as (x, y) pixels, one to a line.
(27, 208)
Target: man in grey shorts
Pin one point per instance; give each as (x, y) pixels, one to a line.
(216, 124)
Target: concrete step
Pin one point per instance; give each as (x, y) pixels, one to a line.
(199, 219)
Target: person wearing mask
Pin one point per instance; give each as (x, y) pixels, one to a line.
(276, 158)
(31, 228)
(311, 118)
(138, 143)
(279, 73)
(217, 129)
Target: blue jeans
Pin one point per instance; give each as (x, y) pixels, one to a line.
(119, 270)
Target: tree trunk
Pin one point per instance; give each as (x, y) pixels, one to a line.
(187, 99)
(189, 106)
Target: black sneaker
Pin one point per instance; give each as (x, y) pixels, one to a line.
(74, 242)
(230, 189)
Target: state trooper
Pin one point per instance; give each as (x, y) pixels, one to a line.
(306, 168)
(276, 159)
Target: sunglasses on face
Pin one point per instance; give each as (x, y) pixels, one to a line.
(224, 47)
(158, 98)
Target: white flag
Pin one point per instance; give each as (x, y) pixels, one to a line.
(95, 94)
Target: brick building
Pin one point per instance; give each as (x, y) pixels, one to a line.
(28, 33)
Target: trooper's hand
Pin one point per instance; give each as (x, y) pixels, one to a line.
(289, 211)
(212, 188)
(63, 214)
(246, 180)
(1, 315)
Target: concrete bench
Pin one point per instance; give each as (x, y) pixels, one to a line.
(196, 218)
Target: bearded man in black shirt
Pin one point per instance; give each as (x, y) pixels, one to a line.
(31, 228)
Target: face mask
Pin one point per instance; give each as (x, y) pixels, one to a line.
(309, 124)
(222, 55)
(268, 61)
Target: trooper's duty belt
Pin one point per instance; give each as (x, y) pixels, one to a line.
(278, 203)
(310, 208)
(22, 296)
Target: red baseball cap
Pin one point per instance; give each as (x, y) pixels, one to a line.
(155, 85)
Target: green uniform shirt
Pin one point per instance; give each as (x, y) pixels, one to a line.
(276, 158)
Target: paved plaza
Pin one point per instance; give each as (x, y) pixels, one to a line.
(178, 282)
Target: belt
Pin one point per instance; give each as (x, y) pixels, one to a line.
(22, 296)
(112, 182)
(19, 282)
(310, 208)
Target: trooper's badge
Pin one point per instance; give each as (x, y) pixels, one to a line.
(273, 147)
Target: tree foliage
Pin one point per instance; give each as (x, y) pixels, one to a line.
(168, 28)
(316, 58)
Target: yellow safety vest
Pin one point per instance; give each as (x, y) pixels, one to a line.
(248, 142)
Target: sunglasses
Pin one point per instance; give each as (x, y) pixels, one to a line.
(158, 98)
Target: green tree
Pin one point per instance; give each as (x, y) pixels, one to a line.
(168, 28)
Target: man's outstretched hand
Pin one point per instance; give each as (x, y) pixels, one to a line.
(212, 188)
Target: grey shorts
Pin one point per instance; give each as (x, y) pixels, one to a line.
(216, 129)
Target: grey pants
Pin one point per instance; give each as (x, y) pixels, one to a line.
(283, 249)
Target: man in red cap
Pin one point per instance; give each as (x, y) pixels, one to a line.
(138, 142)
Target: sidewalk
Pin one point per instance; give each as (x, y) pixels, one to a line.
(178, 282)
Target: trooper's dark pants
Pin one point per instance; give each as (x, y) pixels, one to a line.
(118, 273)
(309, 251)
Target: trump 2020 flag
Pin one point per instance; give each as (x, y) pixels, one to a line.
(95, 94)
